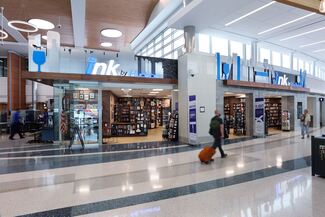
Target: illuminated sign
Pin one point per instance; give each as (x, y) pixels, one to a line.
(285, 79)
(94, 68)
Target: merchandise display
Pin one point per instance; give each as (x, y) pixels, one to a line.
(173, 127)
(235, 118)
(286, 120)
(273, 112)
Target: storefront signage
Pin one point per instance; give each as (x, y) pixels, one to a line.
(285, 79)
(95, 68)
(259, 117)
(192, 118)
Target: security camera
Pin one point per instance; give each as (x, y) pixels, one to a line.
(59, 26)
(192, 73)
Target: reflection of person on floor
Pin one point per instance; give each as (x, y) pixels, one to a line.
(305, 122)
(217, 131)
(15, 126)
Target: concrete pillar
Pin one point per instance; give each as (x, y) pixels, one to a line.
(287, 103)
(194, 71)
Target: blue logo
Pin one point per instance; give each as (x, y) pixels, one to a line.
(39, 58)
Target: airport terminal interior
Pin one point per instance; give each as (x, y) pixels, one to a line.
(162, 108)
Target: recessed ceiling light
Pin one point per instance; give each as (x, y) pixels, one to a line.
(285, 24)
(12, 24)
(106, 44)
(250, 13)
(302, 34)
(44, 37)
(157, 89)
(3, 34)
(41, 24)
(311, 44)
(320, 50)
(112, 33)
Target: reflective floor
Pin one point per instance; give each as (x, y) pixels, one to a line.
(260, 177)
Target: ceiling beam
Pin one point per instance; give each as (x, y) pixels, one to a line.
(13, 32)
(310, 5)
(78, 9)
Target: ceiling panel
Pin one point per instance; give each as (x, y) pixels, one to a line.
(130, 17)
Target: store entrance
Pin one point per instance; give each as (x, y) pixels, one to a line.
(138, 115)
(273, 115)
(236, 108)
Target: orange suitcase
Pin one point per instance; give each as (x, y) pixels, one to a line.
(206, 154)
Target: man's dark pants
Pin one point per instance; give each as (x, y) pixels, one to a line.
(217, 144)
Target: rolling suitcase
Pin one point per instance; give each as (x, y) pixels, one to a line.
(206, 154)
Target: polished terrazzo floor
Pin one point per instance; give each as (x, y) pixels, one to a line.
(261, 177)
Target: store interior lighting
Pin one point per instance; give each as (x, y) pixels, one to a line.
(250, 13)
(41, 24)
(287, 23)
(302, 34)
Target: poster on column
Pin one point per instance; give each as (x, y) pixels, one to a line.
(192, 118)
(259, 117)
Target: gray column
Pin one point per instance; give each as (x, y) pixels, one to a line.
(189, 36)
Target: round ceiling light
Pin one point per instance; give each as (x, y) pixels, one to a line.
(44, 37)
(112, 33)
(12, 24)
(41, 24)
(3, 35)
(106, 44)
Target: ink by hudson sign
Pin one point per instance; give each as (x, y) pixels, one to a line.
(280, 78)
(95, 68)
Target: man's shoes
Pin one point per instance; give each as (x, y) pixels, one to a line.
(211, 160)
(11, 138)
(224, 156)
(307, 136)
(302, 137)
(22, 137)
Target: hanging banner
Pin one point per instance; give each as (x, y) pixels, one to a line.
(259, 117)
(192, 118)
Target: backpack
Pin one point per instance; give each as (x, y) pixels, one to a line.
(214, 127)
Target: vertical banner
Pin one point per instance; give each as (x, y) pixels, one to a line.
(192, 118)
(259, 117)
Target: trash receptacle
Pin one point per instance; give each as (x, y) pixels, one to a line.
(318, 156)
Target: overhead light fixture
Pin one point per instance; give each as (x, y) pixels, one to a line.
(287, 23)
(106, 44)
(302, 34)
(111, 33)
(250, 13)
(318, 51)
(157, 89)
(3, 35)
(311, 44)
(322, 6)
(44, 37)
(12, 24)
(41, 24)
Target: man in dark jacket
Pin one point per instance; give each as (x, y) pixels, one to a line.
(217, 131)
(15, 125)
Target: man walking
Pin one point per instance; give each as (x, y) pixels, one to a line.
(217, 131)
(305, 122)
(15, 126)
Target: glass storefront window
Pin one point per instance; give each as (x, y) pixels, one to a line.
(219, 45)
(3, 67)
(301, 64)
(179, 43)
(295, 64)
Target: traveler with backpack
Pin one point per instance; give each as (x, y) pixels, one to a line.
(305, 122)
(217, 131)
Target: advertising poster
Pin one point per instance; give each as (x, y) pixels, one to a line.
(192, 117)
(259, 117)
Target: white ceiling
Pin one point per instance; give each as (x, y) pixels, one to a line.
(212, 15)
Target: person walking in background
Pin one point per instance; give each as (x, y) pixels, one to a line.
(305, 122)
(15, 126)
(217, 131)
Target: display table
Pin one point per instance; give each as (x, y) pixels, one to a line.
(318, 156)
